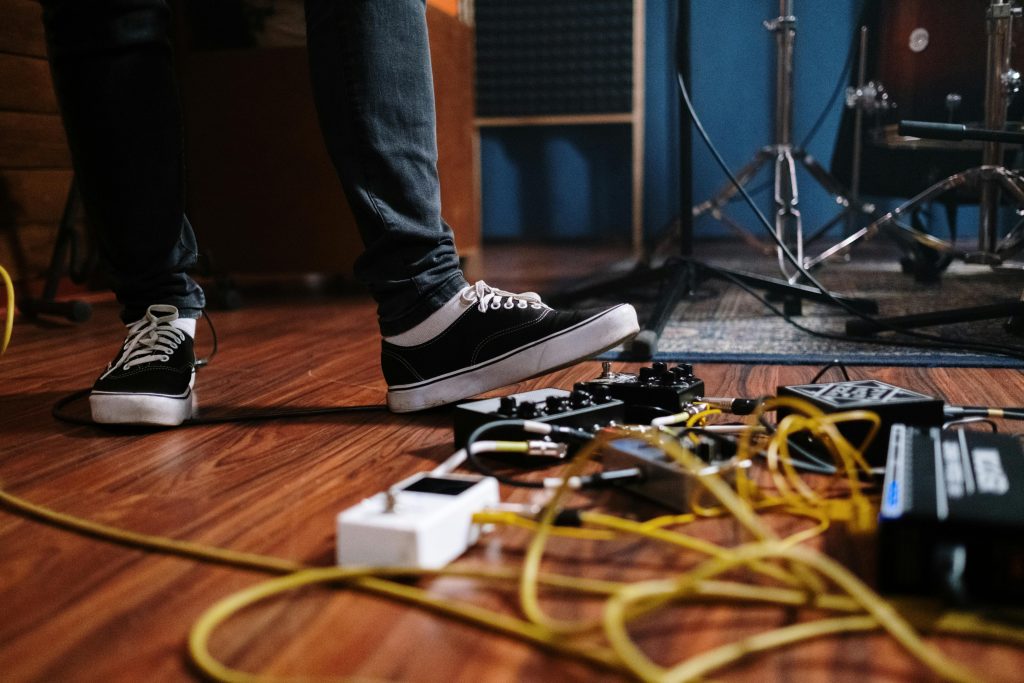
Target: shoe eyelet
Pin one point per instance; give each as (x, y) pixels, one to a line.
(522, 304)
(510, 304)
(495, 305)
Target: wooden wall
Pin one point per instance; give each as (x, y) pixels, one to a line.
(34, 163)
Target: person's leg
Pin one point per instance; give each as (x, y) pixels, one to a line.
(112, 70)
(370, 69)
(113, 74)
(443, 340)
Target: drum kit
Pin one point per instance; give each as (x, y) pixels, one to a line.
(928, 61)
(948, 63)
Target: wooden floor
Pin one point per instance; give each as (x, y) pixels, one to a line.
(74, 608)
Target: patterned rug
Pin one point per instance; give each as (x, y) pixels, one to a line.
(724, 324)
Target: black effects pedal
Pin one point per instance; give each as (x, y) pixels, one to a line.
(580, 408)
(655, 388)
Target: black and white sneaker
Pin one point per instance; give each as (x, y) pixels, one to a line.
(150, 381)
(485, 338)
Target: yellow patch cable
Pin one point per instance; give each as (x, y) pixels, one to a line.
(9, 318)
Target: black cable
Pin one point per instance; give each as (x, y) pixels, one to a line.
(57, 411)
(203, 362)
(951, 345)
(828, 366)
(812, 463)
(477, 464)
(840, 86)
(984, 411)
(938, 342)
(598, 480)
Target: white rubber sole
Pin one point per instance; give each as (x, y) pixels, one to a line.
(142, 409)
(569, 346)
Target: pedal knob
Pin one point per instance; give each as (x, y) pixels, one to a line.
(580, 399)
(683, 370)
(556, 404)
(647, 374)
(528, 410)
(507, 405)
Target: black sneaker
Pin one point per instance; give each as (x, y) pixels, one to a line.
(501, 338)
(150, 381)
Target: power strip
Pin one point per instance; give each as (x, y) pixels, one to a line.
(424, 521)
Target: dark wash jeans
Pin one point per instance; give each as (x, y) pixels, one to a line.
(113, 72)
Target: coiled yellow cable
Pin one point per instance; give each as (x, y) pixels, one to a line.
(9, 317)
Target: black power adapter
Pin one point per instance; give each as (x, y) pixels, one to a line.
(892, 404)
(952, 516)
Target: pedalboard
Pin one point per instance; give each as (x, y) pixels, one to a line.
(892, 404)
(663, 480)
(424, 521)
(659, 386)
(579, 408)
(951, 522)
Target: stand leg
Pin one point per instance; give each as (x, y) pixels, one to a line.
(676, 279)
(674, 289)
(75, 311)
(1006, 309)
(788, 224)
(716, 204)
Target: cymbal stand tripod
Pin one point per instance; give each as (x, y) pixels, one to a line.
(1001, 81)
(784, 158)
(678, 277)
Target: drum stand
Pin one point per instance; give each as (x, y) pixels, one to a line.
(784, 158)
(1001, 82)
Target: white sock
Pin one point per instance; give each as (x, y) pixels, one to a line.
(186, 325)
(437, 323)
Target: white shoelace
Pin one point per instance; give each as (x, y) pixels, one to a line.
(486, 297)
(152, 338)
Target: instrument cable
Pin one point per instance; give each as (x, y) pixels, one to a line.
(844, 74)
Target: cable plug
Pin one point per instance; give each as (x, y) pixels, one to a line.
(736, 406)
(557, 432)
(548, 449)
(590, 481)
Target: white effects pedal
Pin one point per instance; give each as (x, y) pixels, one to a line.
(424, 521)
